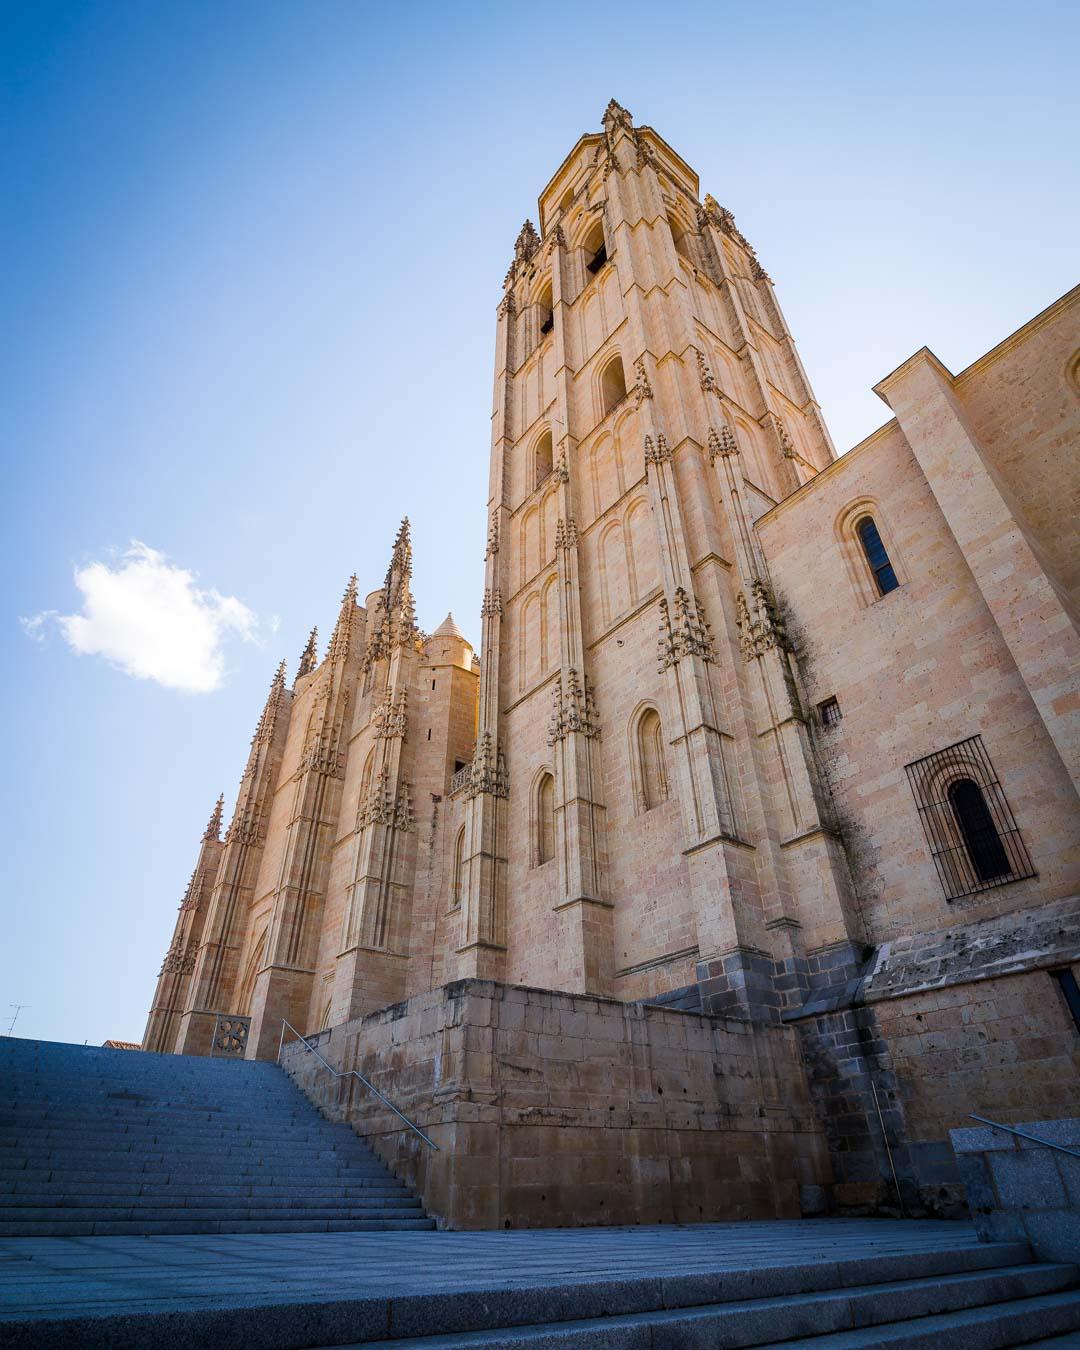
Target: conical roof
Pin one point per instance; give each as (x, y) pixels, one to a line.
(449, 628)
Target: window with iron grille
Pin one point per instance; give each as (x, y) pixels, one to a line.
(973, 837)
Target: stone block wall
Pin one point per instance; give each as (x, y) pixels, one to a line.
(1020, 1190)
(553, 1109)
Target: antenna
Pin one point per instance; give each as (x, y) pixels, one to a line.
(18, 1009)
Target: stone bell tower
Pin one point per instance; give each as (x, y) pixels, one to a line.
(644, 812)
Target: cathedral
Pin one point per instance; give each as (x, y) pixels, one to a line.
(741, 859)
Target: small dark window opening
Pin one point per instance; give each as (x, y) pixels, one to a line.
(976, 825)
(973, 836)
(829, 712)
(459, 764)
(429, 733)
(1067, 980)
(433, 684)
(548, 324)
(599, 258)
(876, 556)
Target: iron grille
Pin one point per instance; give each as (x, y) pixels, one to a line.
(973, 837)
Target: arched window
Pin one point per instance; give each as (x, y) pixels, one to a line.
(458, 883)
(545, 819)
(652, 778)
(595, 249)
(545, 311)
(612, 385)
(978, 831)
(542, 458)
(679, 239)
(876, 556)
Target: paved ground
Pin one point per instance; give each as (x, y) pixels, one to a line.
(51, 1277)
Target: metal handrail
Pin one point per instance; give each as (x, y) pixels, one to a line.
(352, 1073)
(1023, 1134)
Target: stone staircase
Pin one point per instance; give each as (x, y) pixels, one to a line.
(100, 1142)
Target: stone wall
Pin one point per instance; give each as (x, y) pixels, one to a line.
(553, 1109)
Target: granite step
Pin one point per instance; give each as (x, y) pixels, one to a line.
(96, 1142)
(982, 1311)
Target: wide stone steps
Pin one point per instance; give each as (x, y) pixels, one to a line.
(100, 1142)
(964, 1313)
(471, 1291)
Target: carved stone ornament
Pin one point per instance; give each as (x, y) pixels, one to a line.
(760, 624)
(246, 831)
(322, 751)
(177, 962)
(566, 535)
(656, 452)
(705, 375)
(492, 603)
(783, 439)
(488, 770)
(309, 657)
(573, 709)
(684, 631)
(525, 246)
(642, 389)
(403, 814)
(722, 443)
(556, 239)
(561, 470)
(390, 716)
(493, 537)
(712, 213)
(508, 305)
(376, 808)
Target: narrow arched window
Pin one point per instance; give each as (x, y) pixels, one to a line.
(542, 458)
(650, 748)
(679, 239)
(458, 886)
(876, 557)
(977, 829)
(545, 311)
(612, 385)
(595, 249)
(545, 819)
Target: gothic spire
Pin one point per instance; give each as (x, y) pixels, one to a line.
(265, 730)
(341, 638)
(213, 828)
(393, 622)
(309, 657)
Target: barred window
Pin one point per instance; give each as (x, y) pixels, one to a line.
(973, 836)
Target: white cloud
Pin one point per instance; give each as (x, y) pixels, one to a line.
(148, 618)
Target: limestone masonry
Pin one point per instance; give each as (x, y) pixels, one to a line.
(743, 860)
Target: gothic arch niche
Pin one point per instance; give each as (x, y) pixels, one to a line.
(629, 454)
(594, 249)
(542, 458)
(611, 384)
(648, 761)
(457, 876)
(365, 778)
(530, 642)
(592, 324)
(604, 474)
(545, 312)
(641, 549)
(549, 515)
(530, 544)
(748, 436)
(543, 818)
(680, 237)
(870, 584)
(324, 1020)
(251, 970)
(550, 620)
(614, 582)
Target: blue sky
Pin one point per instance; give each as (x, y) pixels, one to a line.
(251, 258)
